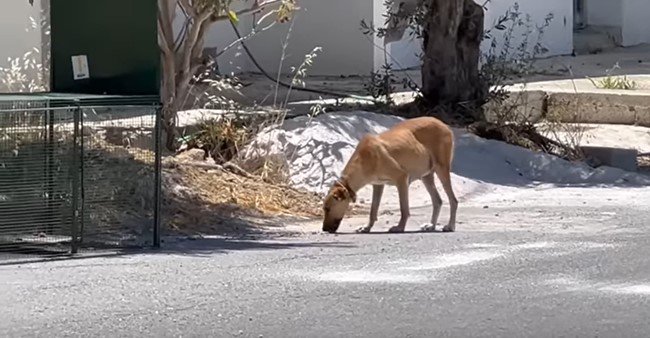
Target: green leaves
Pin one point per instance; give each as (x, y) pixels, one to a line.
(233, 16)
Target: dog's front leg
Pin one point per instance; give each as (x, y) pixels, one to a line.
(403, 192)
(377, 191)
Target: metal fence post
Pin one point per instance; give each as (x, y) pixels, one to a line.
(77, 162)
(49, 159)
(157, 177)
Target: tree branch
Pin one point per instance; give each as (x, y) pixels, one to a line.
(165, 20)
(253, 32)
(183, 31)
(191, 40)
(187, 7)
(198, 46)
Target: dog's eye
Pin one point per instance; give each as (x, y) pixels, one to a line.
(326, 209)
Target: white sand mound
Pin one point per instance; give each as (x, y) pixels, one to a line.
(316, 152)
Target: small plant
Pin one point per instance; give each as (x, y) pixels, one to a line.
(300, 73)
(614, 82)
(506, 60)
(382, 84)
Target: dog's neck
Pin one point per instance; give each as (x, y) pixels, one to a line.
(343, 181)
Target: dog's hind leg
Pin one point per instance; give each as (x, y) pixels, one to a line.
(429, 183)
(444, 174)
(403, 191)
(377, 191)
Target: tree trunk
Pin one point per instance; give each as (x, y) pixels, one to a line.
(452, 35)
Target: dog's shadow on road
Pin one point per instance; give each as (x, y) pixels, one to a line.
(405, 232)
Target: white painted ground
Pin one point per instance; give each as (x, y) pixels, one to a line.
(432, 267)
(571, 284)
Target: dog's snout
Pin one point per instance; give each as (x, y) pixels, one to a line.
(331, 226)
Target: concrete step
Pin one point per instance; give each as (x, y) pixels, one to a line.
(578, 101)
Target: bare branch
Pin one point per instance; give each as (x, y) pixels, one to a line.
(251, 34)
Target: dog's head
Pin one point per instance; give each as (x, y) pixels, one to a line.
(335, 205)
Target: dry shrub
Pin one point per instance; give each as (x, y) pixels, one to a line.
(519, 116)
(561, 125)
(221, 138)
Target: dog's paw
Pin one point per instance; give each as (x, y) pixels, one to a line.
(428, 227)
(449, 228)
(363, 230)
(396, 229)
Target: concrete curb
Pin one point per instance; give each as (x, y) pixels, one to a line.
(573, 107)
(599, 108)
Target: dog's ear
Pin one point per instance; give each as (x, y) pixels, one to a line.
(340, 193)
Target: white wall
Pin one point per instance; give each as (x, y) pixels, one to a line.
(333, 25)
(604, 12)
(16, 35)
(405, 53)
(636, 24)
(558, 37)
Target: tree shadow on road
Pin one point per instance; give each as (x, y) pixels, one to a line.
(202, 247)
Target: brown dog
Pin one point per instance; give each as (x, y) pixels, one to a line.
(412, 149)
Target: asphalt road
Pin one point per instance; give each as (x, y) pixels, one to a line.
(508, 271)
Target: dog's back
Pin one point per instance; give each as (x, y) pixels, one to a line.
(415, 139)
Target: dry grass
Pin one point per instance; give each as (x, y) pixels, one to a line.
(218, 186)
(201, 197)
(204, 197)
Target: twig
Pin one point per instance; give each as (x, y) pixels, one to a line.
(235, 169)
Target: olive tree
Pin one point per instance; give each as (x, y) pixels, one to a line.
(451, 32)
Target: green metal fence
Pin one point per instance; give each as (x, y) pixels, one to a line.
(78, 172)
